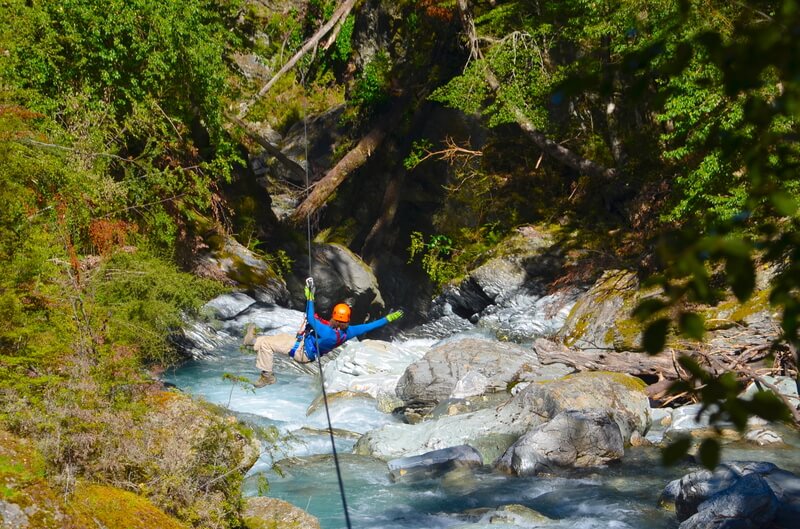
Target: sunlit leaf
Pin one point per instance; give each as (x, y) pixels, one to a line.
(784, 203)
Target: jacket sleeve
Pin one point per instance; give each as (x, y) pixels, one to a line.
(357, 330)
(310, 319)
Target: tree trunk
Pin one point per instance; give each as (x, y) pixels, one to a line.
(637, 364)
(354, 159)
(287, 162)
(548, 146)
(340, 14)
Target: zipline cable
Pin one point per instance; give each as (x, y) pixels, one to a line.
(319, 356)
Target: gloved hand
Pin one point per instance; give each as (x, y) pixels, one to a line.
(310, 289)
(394, 316)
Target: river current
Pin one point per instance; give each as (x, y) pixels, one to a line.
(623, 495)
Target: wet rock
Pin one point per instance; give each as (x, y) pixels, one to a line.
(371, 366)
(268, 319)
(434, 464)
(341, 276)
(752, 494)
(198, 339)
(491, 431)
(787, 387)
(763, 437)
(266, 513)
(228, 306)
(747, 504)
(572, 438)
(471, 366)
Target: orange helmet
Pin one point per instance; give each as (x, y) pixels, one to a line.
(341, 313)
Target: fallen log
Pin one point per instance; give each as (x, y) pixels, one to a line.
(338, 15)
(351, 161)
(275, 152)
(637, 364)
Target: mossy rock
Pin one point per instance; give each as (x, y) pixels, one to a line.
(272, 513)
(113, 508)
(600, 318)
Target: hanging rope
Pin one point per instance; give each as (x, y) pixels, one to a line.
(319, 356)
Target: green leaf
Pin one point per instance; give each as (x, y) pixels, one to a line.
(675, 451)
(655, 336)
(784, 203)
(691, 325)
(648, 307)
(768, 406)
(709, 453)
(741, 276)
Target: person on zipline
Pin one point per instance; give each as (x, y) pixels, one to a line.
(316, 336)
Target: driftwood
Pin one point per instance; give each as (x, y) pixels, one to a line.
(351, 161)
(637, 364)
(339, 15)
(553, 149)
(275, 152)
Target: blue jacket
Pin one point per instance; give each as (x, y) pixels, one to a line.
(324, 338)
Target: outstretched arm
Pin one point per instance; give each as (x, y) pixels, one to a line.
(357, 330)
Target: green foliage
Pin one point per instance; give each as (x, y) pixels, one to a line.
(371, 89)
(143, 299)
(343, 46)
(435, 254)
(420, 150)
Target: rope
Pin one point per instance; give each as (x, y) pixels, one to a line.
(319, 356)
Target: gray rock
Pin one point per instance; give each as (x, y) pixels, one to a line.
(591, 324)
(434, 464)
(491, 431)
(748, 504)
(269, 319)
(787, 387)
(763, 437)
(260, 512)
(786, 487)
(228, 306)
(341, 276)
(242, 267)
(436, 376)
(572, 438)
(12, 516)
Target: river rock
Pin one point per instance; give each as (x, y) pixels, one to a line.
(749, 502)
(593, 322)
(491, 431)
(586, 438)
(527, 265)
(434, 464)
(268, 319)
(242, 267)
(340, 276)
(466, 367)
(227, 306)
(266, 513)
(371, 366)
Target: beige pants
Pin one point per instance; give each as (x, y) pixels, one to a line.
(267, 347)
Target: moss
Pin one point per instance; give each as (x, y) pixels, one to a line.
(628, 381)
(115, 508)
(20, 466)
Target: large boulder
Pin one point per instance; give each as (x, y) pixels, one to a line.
(598, 319)
(491, 431)
(466, 367)
(341, 276)
(228, 260)
(587, 438)
(753, 494)
(748, 504)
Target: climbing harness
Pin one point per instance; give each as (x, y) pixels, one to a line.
(308, 336)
